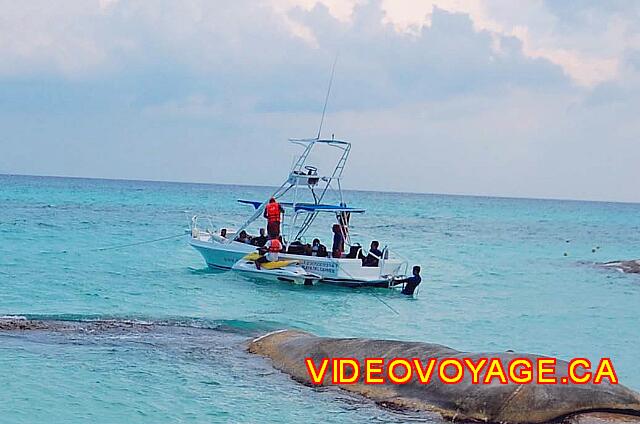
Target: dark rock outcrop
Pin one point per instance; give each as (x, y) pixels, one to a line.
(629, 267)
(495, 402)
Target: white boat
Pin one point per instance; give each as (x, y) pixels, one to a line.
(287, 270)
(308, 197)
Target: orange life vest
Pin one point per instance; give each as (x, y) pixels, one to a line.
(273, 212)
(275, 246)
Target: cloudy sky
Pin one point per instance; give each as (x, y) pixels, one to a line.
(529, 99)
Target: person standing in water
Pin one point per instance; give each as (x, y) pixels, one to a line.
(273, 213)
(410, 283)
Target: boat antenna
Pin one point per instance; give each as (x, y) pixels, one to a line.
(326, 99)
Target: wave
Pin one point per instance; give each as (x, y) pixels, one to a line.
(46, 225)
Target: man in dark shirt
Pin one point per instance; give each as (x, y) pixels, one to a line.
(318, 249)
(243, 237)
(410, 283)
(374, 256)
(261, 240)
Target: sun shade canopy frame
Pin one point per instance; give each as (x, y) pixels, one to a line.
(307, 207)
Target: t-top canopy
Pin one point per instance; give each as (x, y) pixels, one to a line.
(320, 140)
(309, 207)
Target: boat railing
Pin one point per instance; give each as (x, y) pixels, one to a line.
(400, 270)
(359, 252)
(382, 259)
(202, 224)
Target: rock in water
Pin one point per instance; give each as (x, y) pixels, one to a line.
(495, 402)
(629, 267)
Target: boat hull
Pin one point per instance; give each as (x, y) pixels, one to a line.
(341, 272)
(219, 255)
(290, 274)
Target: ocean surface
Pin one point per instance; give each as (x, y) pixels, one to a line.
(495, 277)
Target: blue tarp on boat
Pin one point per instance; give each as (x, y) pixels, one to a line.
(309, 207)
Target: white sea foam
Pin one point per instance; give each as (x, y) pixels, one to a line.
(268, 334)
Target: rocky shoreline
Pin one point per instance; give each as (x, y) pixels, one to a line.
(628, 267)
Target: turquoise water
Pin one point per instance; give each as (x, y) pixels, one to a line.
(495, 278)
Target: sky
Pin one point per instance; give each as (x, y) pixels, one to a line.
(501, 98)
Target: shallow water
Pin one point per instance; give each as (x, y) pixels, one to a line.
(164, 373)
(495, 278)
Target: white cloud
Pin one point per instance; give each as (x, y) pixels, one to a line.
(479, 96)
(530, 22)
(84, 36)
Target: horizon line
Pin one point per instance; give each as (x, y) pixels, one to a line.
(506, 197)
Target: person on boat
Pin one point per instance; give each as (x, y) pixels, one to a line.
(243, 237)
(223, 233)
(296, 248)
(318, 249)
(410, 283)
(374, 256)
(272, 248)
(259, 240)
(355, 251)
(273, 213)
(338, 242)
